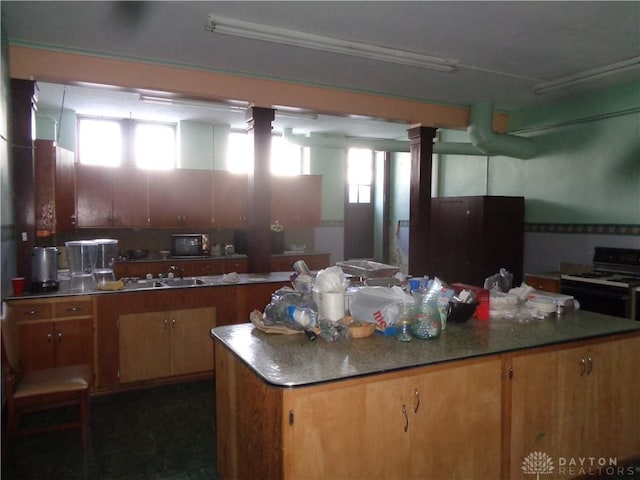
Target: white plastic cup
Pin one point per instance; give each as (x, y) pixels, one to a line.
(330, 305)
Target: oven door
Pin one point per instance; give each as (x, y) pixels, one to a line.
(604, 299)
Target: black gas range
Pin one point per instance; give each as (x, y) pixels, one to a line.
(612, 288)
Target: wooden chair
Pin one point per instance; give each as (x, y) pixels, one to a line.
(42, 389)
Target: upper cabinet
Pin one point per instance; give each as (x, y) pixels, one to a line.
(230, 199)
(180, 198)
(296, 201)
(111, 197)
(54, 188)
(128, 197)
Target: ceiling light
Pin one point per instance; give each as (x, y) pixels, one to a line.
(295, 38)
(193, 103)
(599, 72)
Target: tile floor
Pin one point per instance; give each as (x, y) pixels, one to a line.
(164, 432)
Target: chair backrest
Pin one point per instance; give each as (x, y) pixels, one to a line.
(10, 352)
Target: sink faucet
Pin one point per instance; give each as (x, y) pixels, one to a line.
(173, 269)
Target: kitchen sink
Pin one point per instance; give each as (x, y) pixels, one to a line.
(182, 282)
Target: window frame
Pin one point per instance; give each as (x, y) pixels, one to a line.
(127, 129)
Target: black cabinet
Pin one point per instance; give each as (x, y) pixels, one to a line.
(471, 238)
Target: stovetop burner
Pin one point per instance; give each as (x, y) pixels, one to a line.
(615, 267)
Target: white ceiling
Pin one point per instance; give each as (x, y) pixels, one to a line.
(503, 49)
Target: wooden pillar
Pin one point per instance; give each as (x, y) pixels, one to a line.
(421, 141)
(259, 234)
(23, 172)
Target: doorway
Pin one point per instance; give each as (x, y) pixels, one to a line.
(359, 205)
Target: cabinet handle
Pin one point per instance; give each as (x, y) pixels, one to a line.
(417, 404)
(406, 417)
(583, 367)
(74, 309)
(173, 323)
(589, 365)
(59, 337)
(31, 312)
(166, 324)
(49, 337)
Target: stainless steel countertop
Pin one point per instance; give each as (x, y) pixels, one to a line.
(295, 361)
(144, 286)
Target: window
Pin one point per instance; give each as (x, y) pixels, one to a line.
(100, 142)
(359, 174)
(154, 146)
(113, 142)
(286, 159)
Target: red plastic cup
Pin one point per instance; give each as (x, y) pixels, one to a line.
(18, 285)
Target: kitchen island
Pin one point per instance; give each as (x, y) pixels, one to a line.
(471, 404)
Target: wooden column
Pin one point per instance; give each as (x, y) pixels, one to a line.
(23, 172)
(421, 139)
(259, 234)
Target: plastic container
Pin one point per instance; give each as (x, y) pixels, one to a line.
(82, 261)
(106, 253)
(427, 323)
(404, 321)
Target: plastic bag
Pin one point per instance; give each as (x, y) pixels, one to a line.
(378, 305)
(500, 281)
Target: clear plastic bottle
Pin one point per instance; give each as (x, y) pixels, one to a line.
(303, 316)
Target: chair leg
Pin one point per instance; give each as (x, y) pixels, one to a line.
(84, 417)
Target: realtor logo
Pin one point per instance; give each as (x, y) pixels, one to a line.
(537, 463)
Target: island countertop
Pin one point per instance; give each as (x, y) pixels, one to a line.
(295, 361)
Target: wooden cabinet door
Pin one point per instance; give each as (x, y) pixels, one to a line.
(191, 343)
(328, 434)
(130, 198)
(54, 187)
(454, 407)
(74, 342)
(549, 407)
(180, 198)
(94, 196)
(296, 201)
(613, 416)
(165, 202)
(144, 343)
(195, 186)
(230, 199)
(65, 191)
(308, 195)
(36, 342)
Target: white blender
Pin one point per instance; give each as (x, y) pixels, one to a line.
(82, 260)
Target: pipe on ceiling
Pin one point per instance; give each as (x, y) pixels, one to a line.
(482, 136)
(484, 141)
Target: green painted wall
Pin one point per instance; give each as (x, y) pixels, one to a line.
(330, 163)
(51, 124)
(587, 169)
(195, 144)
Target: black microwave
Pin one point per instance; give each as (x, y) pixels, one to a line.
(190, 245)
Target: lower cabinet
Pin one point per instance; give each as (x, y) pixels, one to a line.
(404, 425)
(575, 403)
(164, 344)
(54, 332)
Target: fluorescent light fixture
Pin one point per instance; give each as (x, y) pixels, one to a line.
(193, 103)
(295, 38)
(599, 72)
